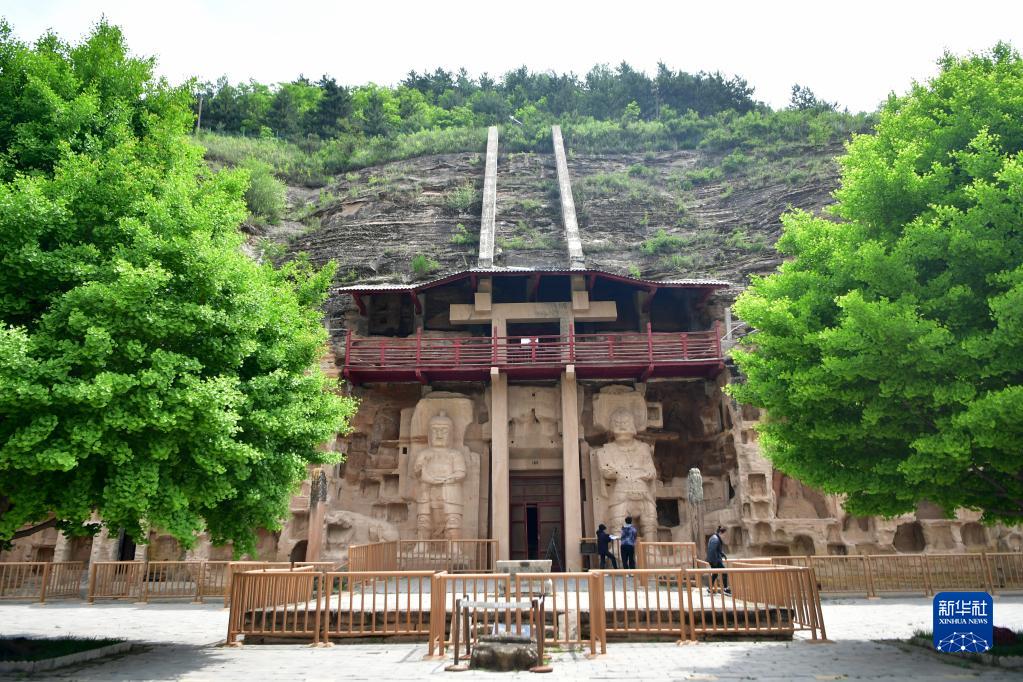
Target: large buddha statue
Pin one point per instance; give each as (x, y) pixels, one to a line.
(627, 466)
(440, 470)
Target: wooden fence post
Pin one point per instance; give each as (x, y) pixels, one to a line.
(143, 582)
(46, 582)
(200, 577)
(869, 572)
(988, 573)
(91, 594)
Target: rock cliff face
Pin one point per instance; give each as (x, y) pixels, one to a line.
(663, 214)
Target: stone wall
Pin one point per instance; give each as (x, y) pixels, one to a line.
(679, 425)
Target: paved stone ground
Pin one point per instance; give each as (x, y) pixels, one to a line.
(181, 642)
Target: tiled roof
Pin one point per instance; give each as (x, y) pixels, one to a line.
(437, 281)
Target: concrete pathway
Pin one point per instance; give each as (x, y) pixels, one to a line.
(181, 642)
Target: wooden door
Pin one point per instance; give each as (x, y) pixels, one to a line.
(536, 516)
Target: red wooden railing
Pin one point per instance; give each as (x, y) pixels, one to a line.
(530, 354)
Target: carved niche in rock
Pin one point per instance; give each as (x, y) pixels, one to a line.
(624, 476)
(345, 528)
(796, 501)
(441, 475)
(534, 421)
(610, 399)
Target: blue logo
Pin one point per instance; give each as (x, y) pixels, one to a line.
(963, 622)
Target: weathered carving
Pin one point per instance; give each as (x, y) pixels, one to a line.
(440, 470)
(694, 494)
(695, 486)
(627, 467)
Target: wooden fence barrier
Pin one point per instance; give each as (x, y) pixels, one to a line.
(154, 580)
(173, 580)
(569, 600)
(65, 580)
(478, 587)
(116, 580)
(580, 609)
(666, 555)
(376, 556)
(452, 556)
(375, 604)
(643, 602)
(464, 632)
(927, 574)
(958, 572)
(1006, 570)
(40, 580)
(276, 603)
(235, 567)
(777, 600)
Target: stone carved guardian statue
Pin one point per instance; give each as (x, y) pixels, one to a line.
(440, 470)
(627, 466)
(694, 494)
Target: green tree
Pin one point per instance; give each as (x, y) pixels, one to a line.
(327, 118)
(376, 110)
(888, 350)
(149, 371)
(804, 99)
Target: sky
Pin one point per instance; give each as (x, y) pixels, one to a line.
(854, 53)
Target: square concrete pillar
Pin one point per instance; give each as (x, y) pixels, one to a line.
(570, 469)
(499, 481)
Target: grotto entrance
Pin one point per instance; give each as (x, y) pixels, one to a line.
(535, 516)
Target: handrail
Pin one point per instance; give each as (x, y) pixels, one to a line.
(419, 351)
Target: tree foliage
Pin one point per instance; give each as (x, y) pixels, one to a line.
(150, 372)
(443, 99)
(888, 350)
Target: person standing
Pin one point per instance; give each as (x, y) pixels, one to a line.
(604, 547)
(716, 558)
(629, 544)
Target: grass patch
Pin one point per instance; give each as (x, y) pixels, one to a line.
(662, 242)
(526, 238)
(27, 649)
(288, 160)
(681, 262)
(621, 186)
(638, 170)
(526, 205)
(740, 239)
(266, 196)
(462, 198)
(463, 237)
(422, 265)
(701, 176)
(1004, 649)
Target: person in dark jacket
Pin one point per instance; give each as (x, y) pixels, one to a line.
(716, 558)
(604, 547)
(629, 536)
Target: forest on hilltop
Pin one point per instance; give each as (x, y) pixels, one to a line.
(309, 131)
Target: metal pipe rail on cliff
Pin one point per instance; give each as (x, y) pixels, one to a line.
(617, 355)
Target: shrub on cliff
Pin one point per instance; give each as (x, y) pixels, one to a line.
(149, 371)
(888, 350)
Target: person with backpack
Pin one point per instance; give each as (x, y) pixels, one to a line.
(716, 558)
(629, 536)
